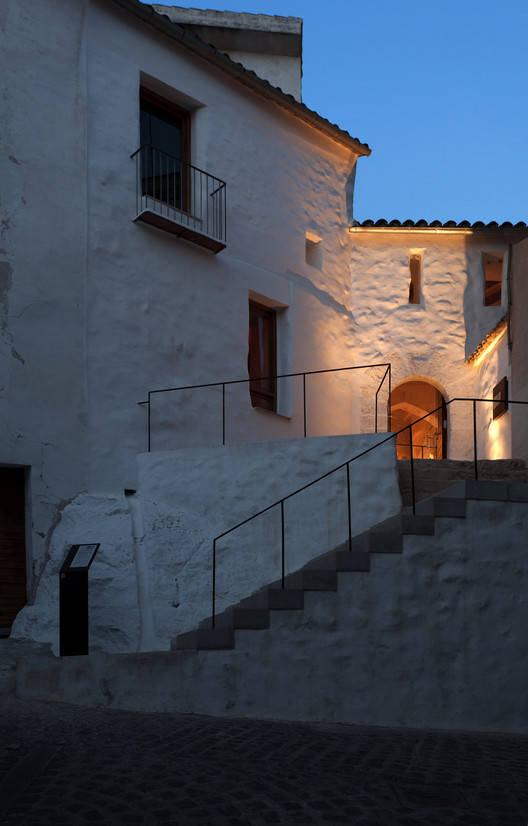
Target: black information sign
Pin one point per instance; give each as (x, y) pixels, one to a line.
(73, 599)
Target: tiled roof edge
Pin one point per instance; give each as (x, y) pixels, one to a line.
(382, 223)
(176, 32)
(493, 333)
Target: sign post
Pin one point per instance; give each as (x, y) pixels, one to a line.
(73, 599)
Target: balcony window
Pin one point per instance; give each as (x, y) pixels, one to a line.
(164, 132)
(171, 194)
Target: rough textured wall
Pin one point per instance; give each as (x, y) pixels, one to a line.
(429, 340)
(43, 256)
(519, 382)
(151, 578)
(494, 435)
(96, 309)
(162, 312)
(434, 638)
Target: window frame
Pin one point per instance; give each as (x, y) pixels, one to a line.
(415, 277)
(168, 107)
(263, 389)
(492, 286)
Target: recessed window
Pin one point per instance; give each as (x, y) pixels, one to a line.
(500, 398)
(164, 136)
(415, 281)
(492, 264)
(314, 250)
(262, 356)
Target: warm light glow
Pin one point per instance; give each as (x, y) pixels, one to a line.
(450, 231)
(498, 441)
(488, 345)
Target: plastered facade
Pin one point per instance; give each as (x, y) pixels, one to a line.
(97, 310)
(432, 340)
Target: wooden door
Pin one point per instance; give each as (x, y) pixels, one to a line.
(12, 545)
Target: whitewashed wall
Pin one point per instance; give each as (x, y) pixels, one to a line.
(519, 379)
(432, 638)
(151, 578)
(494, 436)
(164, 313)
(43, 243)
(98, 309)
(430, 341)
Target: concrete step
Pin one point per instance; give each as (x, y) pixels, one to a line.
(445, 506)
(378, 543)
(432, 476)
(341, 559)
(275, 599)
(406, 523)
(238, 617)
(320, 574)
(203, 638)
(309, 579)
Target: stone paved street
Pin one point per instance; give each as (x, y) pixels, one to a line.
(65, 765)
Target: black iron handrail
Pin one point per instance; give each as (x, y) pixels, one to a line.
(224, 384)
(347, 465)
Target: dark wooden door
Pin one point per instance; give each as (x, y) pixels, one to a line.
(12, 545)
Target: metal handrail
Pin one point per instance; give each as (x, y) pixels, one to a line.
(179, 191)
(224, 384)
(347, 465)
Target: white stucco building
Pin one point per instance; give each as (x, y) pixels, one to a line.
(165, 193)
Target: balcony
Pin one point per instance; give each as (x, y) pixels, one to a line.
(179, 198)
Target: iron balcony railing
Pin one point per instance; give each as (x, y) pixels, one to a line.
(346, 467)
(224, 384)
(179, 192)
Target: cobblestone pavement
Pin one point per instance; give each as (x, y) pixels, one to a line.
(61, 764)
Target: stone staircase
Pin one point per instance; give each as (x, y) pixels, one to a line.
(421, 624)
(321, 573)
(432, 476)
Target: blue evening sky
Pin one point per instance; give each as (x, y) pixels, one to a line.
(437, 89)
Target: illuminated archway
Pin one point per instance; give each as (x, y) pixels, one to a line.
(409, 401)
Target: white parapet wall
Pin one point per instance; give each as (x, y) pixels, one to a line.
(151, 578)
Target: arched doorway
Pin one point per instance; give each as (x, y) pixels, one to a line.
(409, 402)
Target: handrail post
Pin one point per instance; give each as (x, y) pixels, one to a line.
(282, 535)
(475, 437)
(349, 511)
(223, 415)
(412, 471)
(389, 414)
(304, 403)
(214, 584)
(148, 421)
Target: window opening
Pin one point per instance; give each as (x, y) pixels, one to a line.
(262, 356)
(415, 267)
(492, 279)
(314, 250)
(164, 138)
(500, 398)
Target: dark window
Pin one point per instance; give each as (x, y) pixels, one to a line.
(500, 398)
(262, 356)
(492, 280)
(415, 267)
(164, 138)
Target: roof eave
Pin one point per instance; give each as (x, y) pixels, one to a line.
(190, 41)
